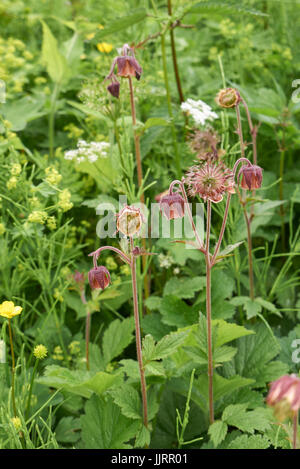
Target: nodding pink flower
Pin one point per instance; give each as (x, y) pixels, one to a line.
(284, 396)
(99, 277)
(127, 65)
(210, 181)
(251, 176)
(172, 206)
(129, 220)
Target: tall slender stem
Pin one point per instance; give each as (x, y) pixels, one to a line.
(30, 389)
(169, 102)
(12, 369)
(140, 178)
(247, 218)
(295, 430)
(174, 57)
(138, 335)
(208, 315)
(136, 139)
(222, 229)
(87, 330)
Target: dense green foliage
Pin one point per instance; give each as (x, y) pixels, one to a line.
(54, 59)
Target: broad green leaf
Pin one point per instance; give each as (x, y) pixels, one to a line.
(176, 312)
(229, 331)
(168, 344)
(222, 8)
(77, 381)
(122, 23)
(105, 427)
(155, 121)
(128, 399)
(143, 438)
(116, 338)
(184, 287)
(217, 432)
(55, 62)
(67, 430)
(250, 442)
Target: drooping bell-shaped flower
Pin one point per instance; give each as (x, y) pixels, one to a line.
(127, 65)
(114, 88)
(99, 277)
(284, 396)
(172, 206)
(251, 177)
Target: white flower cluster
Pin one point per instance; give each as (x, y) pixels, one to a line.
(88, 151)
(199, 110)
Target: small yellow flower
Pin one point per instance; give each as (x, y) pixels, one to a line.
(51, 223)
(64, 200)
(104, 47)
(9, 310)
(16, 421)
(40, 351)
(37, 216)
(90, 36)
(2, 229)
(52, 175)
(16, 169)
(12, 183)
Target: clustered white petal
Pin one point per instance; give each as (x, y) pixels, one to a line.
(88, 151)
(199, 110)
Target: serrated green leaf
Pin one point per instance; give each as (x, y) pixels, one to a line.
(250, 442)
(168, 344)
(128, 399)
(217, 432)
(122, 23)
(116, 338)
(104, 426)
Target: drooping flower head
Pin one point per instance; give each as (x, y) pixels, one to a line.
(284, 396)
(9, 310)
(129, 220)
(251, 176)
(127, 66)
(99, 277)
(210, 181)
(228, 98)
(172, 206)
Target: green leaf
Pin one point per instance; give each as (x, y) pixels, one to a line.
(67, 430)
(77, 381)
(55, 62)
(228, 249)
(154, 122)
(122, 23)
(250, 442)
(217, 432)
(248, 421)
(229, 331)
(104, 426)
(143, 438)
(169, 344)
(176, 312)
(116, 338)
(128, 399)
(184, 287)
(221, 7)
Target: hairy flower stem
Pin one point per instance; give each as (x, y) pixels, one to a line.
(295, 430)
(243, 203)
(208, 315)
(87, 330)
(138, 334)
(140, 178)
(169, 102)
(12, 369)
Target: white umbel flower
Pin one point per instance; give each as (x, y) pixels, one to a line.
(199, 110)
(88, 151)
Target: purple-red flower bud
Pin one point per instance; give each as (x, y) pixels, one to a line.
(99, 277)
(251, 177)
(114, 89)
(172, 206)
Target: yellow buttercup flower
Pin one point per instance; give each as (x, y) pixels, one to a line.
(104, 47)
(9, 310)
